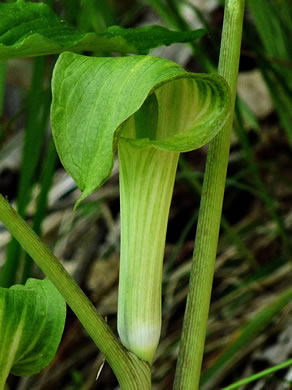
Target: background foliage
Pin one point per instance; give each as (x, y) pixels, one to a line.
(249, 326)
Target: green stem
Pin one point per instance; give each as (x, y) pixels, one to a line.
(201, 279)
(131, 373)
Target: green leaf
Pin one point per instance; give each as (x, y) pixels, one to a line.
(141, 40)
(32, 319)
(94, 100)
(32, 29)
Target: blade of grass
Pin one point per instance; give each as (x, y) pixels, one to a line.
(46, 179)
(259, 375)
(47, 171)
(234, 181)
(280, 91)
(284, 6)
(268, 200)
(3, 68)
(248, 287)
(246, 335)
(274, 33)
(34, 135)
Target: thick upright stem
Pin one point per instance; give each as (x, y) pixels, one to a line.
(132, 373)
(146, 181)
(198, 302)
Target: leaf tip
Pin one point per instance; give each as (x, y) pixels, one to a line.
(80, 200)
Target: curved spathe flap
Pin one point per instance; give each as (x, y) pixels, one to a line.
(150, 100)
(189, 111)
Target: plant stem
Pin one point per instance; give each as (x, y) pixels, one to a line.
(201, 279)
(131, 373)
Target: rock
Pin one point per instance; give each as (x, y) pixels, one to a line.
(253, 90)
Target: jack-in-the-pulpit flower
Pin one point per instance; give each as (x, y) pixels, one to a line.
(151, 110)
